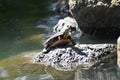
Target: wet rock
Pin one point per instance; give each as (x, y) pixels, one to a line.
(99, 18)
(97, 74)
(62, 8)
(118, 52)
(70, 57)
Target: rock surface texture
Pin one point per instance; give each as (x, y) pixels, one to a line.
(99, 18)
(70, 57)
(62, 8)
(118, 52)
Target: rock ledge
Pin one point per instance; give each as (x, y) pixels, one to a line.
(70, 57)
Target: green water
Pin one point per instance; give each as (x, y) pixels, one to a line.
(18, 19)
(19, 35)
(20, 40)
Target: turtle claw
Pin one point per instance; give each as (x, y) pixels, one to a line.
(45, 50)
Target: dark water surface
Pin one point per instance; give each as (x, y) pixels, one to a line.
(18, 21)
(24, 25)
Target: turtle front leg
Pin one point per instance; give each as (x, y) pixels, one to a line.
(71, 39)
(73, 42)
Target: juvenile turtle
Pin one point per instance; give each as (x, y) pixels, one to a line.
(58, 39)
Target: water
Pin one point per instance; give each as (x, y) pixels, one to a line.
(23, 29)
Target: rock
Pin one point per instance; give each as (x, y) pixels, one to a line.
(70, 57)
(118, 52)
(99, 18)
(98, 74)
(62, 8)
(66, 23)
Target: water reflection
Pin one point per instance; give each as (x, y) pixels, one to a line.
(39, 77)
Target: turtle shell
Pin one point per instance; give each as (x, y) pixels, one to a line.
(53, 38)
(58, 40)
(61, 42)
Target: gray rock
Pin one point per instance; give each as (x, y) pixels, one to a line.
(118, 52)
(99, 18)
(62, 8)
(70, 57)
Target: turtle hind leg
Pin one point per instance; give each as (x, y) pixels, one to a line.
(46, 50)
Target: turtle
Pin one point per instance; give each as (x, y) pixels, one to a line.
(58, 39)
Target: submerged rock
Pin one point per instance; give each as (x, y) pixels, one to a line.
(70, 57)
(99, 18)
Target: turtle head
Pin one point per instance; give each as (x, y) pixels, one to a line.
(66, 32)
